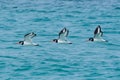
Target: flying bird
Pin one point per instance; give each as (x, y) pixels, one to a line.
(97, 35)
(62, 36)
(28, 39)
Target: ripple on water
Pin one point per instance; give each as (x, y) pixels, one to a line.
(117, 8)
(22, 65)
(44, 19)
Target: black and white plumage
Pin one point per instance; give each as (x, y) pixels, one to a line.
(97, 35)
(28, 39)
(62, 36)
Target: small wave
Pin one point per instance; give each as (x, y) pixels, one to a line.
(118, 8)
(41, 19)
(23, 68)
(9, 57)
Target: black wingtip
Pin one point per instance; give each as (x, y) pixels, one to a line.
(26, 34)
(97, 28)
(64, 29)
(98, 25)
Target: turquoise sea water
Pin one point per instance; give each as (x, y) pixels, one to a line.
(78, 61)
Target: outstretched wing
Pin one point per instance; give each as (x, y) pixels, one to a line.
(63, 34)
(28, 37)
(98, 32)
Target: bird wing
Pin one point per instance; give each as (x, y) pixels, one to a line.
(63, 34)
(98, 32)
(28, 37)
